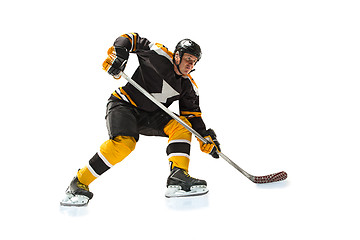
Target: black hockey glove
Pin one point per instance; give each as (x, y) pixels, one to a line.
(116, 61)
(212, 147)
(117, 66)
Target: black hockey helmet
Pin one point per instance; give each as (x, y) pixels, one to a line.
(188, 46)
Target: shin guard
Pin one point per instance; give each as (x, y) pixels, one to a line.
(178, 149)
(111, 152)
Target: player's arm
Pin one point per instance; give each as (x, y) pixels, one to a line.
(189, 107)
(118, 54)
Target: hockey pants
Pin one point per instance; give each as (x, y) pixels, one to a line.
(118, 148)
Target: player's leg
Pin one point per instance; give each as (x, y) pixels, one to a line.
(180, 183)
(122, 127)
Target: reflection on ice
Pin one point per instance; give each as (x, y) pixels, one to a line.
(282, 184)
(74, 211)
(188, 203)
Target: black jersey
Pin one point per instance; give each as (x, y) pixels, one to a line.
(157, 76)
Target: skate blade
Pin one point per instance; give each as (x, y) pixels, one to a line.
(71, 200)
(174, 191)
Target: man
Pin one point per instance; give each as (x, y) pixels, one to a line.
(129, 113)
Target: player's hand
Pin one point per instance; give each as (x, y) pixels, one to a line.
(213, 146)
(116, 61)
(114, 67)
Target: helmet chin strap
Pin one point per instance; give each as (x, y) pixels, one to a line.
(178, 65)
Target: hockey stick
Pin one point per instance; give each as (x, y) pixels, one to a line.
(275, 177)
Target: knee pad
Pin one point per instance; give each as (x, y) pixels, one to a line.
(177, 131)
(115, 150)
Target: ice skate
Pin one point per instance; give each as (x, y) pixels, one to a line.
(180, 184)
(77, 194)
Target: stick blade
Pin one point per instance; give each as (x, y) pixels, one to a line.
(275, 177)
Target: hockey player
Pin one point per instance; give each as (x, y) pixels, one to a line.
(166, 76)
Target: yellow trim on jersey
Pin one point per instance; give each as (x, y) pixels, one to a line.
(192, 80)
(133, 40)
(128, 97)
(117, 95)
(195, 114)
(127, 36)
(162, 47)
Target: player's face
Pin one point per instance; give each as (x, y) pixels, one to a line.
(187, 63)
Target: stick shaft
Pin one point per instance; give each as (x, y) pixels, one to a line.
(174, 116)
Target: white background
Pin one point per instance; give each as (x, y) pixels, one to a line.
(279, 83)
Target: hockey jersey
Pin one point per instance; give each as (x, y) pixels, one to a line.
(157, 76)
